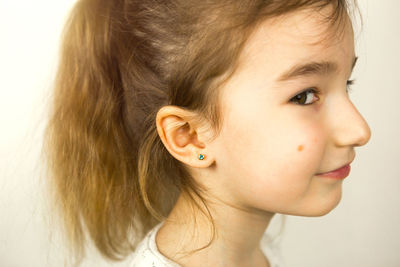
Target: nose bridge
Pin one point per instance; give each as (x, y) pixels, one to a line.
(349, 126)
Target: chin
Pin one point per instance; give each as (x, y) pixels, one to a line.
(316, 208)
(322, 210)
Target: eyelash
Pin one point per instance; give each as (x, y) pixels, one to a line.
(317, 92)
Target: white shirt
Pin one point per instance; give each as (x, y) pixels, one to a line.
(148, 255)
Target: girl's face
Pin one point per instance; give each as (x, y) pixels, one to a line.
(273, 145)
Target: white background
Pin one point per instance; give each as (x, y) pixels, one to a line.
(363, 230)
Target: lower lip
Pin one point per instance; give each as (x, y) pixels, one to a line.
(338, 174)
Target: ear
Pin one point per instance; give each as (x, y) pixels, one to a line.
(179, 133)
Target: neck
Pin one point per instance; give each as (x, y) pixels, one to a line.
(236, 242)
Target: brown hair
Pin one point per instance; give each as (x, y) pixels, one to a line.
(120, 62)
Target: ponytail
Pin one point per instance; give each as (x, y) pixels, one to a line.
(92, 153)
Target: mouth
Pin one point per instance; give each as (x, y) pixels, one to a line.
(340, 173)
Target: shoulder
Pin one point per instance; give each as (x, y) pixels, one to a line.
(271, 248)
(143, 257)
(147, 254)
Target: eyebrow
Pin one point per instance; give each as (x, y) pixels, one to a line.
(311, 68)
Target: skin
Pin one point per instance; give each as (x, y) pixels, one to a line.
(270, 150)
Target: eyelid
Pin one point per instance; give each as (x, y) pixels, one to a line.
(313, 90)
(317, 92)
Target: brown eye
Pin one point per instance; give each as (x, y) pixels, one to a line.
(305, 98)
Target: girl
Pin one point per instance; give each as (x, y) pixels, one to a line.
(179, 128)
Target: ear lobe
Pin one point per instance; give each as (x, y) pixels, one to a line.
(180, 137)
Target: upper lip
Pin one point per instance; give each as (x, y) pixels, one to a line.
(339, 167)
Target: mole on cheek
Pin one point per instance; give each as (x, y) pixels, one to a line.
(300, 147)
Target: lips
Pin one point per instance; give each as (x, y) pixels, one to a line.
(340, 173)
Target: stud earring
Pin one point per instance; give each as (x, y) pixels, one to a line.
(201, 157)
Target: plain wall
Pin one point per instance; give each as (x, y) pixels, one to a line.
(363, 230)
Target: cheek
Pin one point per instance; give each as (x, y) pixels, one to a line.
(302, 153)
(272, 164)
(273, 147)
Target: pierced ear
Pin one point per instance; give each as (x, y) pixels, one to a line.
(179, 134)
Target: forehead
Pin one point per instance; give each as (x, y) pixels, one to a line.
(302, 35)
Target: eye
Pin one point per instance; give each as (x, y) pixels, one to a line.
(304, 98)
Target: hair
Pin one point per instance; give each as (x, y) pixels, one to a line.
(120, 62)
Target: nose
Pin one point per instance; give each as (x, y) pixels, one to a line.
(351, 129)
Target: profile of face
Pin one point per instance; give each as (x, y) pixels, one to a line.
(277, 134)
(287, 117)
